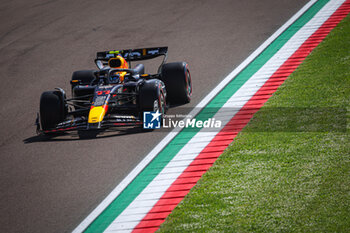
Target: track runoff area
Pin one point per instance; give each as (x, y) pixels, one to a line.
(142, 201)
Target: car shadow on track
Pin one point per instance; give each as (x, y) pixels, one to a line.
(84, 135)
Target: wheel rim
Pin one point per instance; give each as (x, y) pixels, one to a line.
(188, 84)
(162, 103)
(159, 105)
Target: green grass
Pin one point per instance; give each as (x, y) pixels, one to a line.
(283, 175)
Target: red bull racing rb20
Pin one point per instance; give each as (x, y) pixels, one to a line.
(115, 94)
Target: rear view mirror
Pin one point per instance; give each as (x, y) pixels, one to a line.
(99, 64)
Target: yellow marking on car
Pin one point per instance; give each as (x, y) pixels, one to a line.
(114, 52)
(97, 114)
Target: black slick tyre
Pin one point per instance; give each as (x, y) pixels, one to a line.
(177, 79)
(152, 97)
(52, 109)
(82, 77)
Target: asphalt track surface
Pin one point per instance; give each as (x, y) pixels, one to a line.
(52, 184)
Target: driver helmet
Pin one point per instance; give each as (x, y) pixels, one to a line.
(118, 62)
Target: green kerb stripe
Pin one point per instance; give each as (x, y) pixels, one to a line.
(165, 156)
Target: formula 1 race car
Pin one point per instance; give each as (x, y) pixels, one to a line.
(115, 95)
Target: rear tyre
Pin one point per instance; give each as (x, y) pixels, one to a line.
(177, 79)
(52, 109)
(82, 77)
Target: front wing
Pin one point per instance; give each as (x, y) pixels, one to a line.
(81, 123)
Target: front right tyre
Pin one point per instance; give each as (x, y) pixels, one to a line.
(52, 109)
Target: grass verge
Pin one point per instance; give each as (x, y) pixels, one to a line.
(281, 174)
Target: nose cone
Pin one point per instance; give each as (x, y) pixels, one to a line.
(97, 114)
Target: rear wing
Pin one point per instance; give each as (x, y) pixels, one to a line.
(134, 54)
